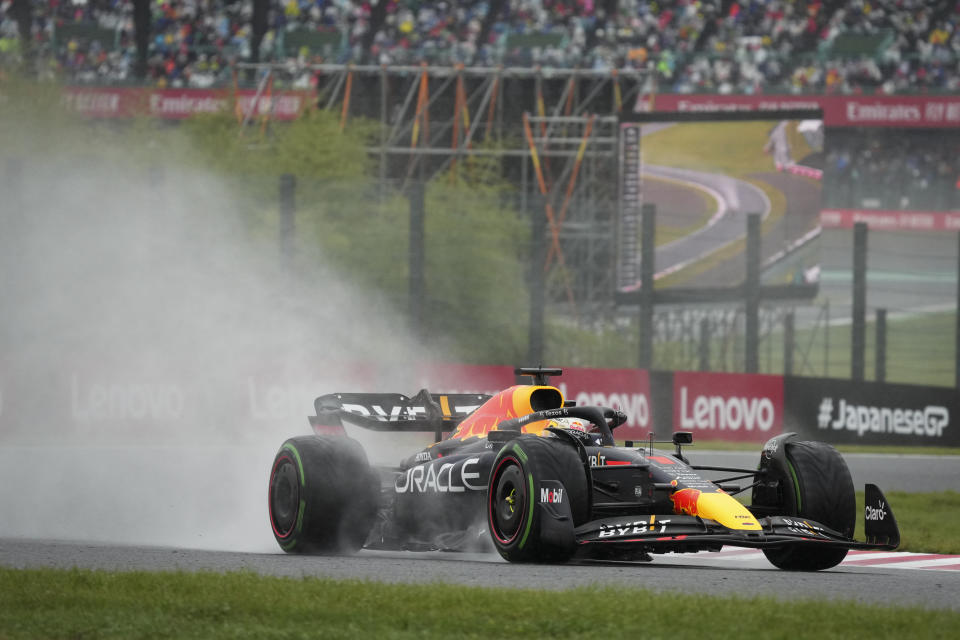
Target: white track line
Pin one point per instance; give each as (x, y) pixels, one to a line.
(893, 560)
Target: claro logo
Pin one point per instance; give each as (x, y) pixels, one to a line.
(875, 514)
(719, 412)
(929, 421)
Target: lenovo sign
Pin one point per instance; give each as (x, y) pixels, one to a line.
(625, 389)
(728, 406)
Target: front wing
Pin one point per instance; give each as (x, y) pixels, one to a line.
(679, 533)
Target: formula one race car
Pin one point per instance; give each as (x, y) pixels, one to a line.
(543, 480)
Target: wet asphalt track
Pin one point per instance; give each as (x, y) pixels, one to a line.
(873, 585)
(736, 198)
(907, 272)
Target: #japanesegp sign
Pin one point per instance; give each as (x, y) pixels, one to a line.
(847, 412)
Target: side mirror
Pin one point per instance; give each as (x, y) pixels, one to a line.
(682, 437)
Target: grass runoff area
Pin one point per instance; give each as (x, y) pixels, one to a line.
(919, 350)
(94, 604)
(928, 521)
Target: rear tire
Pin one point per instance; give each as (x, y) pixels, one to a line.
(323, 495)
(523, 467)
(822, 492)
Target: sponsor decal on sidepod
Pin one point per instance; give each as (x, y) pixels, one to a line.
(449, 477)
(551, 496)
(685, 501)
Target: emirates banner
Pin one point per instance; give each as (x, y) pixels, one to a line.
(177, 104)
(881, 220)
(940, 112)
(847, 412)
(838, 111)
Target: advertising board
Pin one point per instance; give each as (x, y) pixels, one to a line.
(847, 412)
(728, 406)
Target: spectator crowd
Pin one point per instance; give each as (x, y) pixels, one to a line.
(726, 46)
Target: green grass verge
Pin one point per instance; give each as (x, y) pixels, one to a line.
(92, 604)
(928, 521)
(732, 148)
(919, 350)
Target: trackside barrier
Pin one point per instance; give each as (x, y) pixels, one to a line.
(847, 412)
(92, 406)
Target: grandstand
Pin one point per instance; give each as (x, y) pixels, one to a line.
(724, 46)
(679, 47)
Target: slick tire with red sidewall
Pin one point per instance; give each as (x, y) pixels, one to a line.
(820, 489)
(323, 495)
(525, 467)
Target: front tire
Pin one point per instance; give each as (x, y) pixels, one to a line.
(323, 495)
(527, 471)
(822, 491)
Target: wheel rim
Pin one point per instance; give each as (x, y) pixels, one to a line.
(508, 501)
(284, 496)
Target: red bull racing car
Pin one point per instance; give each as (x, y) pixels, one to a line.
(544, 481)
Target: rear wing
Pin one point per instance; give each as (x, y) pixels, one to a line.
(425, 411)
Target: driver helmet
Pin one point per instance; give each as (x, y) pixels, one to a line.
(573, 423)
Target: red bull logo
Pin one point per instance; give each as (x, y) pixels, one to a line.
(685, 501)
